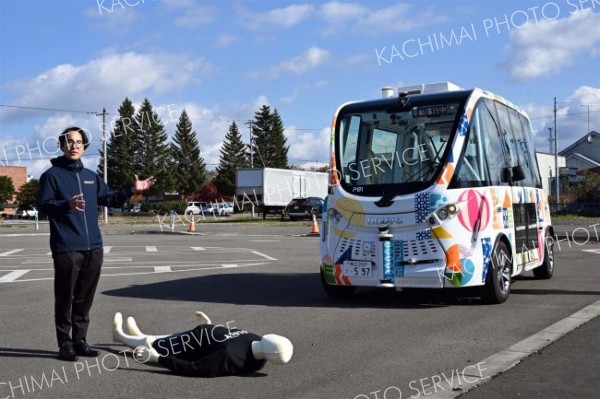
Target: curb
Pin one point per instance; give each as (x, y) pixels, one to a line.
(508, 358)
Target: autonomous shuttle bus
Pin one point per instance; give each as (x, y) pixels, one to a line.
(435, 187)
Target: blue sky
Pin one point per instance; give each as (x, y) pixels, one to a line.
(221, 60)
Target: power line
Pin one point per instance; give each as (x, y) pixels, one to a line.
(48, 109)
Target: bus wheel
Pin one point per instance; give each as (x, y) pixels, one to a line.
(497, 286)
(336, 291)
(546, 269)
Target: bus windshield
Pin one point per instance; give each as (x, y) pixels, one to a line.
(400, 148)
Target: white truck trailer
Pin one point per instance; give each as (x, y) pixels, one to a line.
(272, 189)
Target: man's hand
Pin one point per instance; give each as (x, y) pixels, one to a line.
(77, 203)
(143, 185)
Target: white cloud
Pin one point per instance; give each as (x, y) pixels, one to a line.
(571, 118)
(308, 146)
(225, 40)
(342, 17)
(99, 82)
(285, 17)
(310, 59)
(549, 46)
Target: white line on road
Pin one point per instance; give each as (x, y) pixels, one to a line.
(12, 251)
(508, 358)
(107, 249)
(12, 276)
(263, 255)
(198, 248)
(227, 265)
(194, 269)
(594, 251)
(43, 261)
(162, 269)
(151, 249)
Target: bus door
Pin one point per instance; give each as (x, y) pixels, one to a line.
(524, 177)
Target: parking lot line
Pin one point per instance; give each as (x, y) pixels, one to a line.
(162, 269)
(263, 255)
(12, 276)
(12, 251)
(198, 248)
(151, 249)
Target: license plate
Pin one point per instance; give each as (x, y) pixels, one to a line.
(296, 207)
(356, 268)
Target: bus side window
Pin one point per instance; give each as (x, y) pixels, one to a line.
(522, 147)
(528, 140)
(492, 142)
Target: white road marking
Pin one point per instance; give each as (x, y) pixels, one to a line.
(43, 261)
(12, 251)
(263, 240)
(12, 276)
(505, 359)
(263, 255)
(152, 272)
(594, 251)
(135, 263)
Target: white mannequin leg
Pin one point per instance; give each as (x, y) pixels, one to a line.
(134, 330)
(132, 341)
(133, 327)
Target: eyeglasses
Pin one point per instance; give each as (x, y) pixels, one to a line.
(71, 143)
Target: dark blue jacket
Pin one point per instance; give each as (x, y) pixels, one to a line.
(72, 230)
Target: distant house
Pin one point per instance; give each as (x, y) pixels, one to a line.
(547, 170)
(583, 154)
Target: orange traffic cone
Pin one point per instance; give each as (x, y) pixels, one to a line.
(192, 228)
(315, 226)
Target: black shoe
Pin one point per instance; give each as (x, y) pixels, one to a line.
(83, 349)
(67, 352)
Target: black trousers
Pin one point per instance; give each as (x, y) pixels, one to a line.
(76, 276)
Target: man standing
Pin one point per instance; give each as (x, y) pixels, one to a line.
(70, 195)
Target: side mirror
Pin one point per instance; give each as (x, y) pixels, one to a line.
(518, 173)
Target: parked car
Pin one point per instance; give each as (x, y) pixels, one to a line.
(225, 208)
(304, 208)
(196, 208)
(26, 212)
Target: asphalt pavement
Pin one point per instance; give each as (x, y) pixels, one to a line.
(263, 276)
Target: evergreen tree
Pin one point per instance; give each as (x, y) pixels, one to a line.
(269, 148)
(233, 156)
(278, 141)
(189, 164)
(152, 155)
(120, 149)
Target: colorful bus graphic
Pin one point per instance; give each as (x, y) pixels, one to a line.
(437, 187)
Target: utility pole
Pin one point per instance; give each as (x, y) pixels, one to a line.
(557, 177)
(105, 166)
(249, 123)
